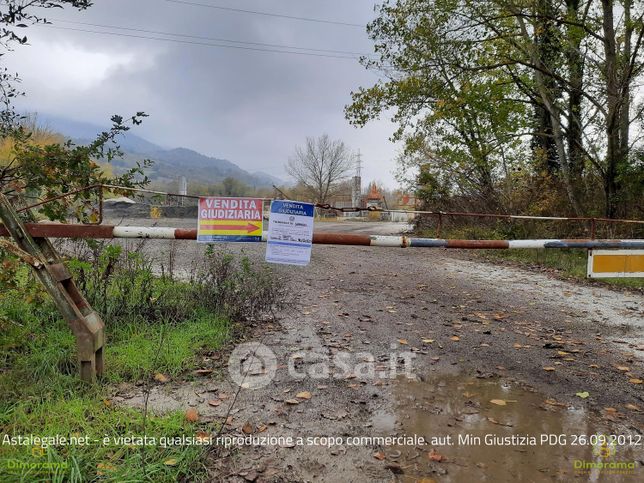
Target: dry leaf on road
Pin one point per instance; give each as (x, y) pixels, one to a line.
(192, 415)
(379, 455)
(433, 455)
(162, 378)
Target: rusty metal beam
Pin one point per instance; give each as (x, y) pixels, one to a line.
(87, 325)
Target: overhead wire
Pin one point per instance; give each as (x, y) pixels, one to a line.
(266, 14)
(206, 44)
(211, 39)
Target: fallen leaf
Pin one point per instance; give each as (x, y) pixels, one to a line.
(402, 341)
(494, 421)
(428, 341)
(498, 402)
(632, 407)
(635, 381)
(247, 428)
(170, 462)
(610, 410)
(214, 402)
(469, 394)
(303, 395)
(583, 394)
(203, 372)
(455, 338)
(202, 436)
(162, 378)
(261, 428)
(292, 401)
(549, 369)
(433, 455)
(553, 402)
(192, 415)
(379, 455)
(623, 368)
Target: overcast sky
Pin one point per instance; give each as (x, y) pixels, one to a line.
(246, 106)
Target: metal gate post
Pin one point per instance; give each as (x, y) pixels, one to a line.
(85, 323)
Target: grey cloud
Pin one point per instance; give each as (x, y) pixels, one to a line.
(250, 107)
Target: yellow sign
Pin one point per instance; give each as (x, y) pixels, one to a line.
(230, 219)
(615, 263)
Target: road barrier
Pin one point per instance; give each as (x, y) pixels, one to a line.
(58, 230)
(31, 244)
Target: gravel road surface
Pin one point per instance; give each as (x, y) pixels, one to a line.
(419, 343)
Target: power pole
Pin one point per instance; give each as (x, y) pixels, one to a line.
(356, 185)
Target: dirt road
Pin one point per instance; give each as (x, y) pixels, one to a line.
(417, 343)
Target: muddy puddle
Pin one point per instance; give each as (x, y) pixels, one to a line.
(491, 430)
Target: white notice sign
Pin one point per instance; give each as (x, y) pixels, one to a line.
(290, 232)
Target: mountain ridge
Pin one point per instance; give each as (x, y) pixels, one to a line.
(169, 163)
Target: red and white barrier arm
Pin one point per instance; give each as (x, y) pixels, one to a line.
(58, 230)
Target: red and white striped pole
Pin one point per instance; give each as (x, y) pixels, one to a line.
(57, 230)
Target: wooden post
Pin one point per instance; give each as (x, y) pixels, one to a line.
(86, 324)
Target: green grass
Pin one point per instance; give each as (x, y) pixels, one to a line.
(570, 262)
(42, 395)
(135, 353)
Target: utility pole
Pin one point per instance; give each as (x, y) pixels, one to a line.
(356, 185)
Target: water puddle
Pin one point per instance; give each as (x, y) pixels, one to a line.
(488, 430)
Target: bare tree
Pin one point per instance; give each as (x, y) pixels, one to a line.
(320, 165)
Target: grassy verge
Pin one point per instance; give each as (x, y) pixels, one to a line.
(570, 263)
(42, 395)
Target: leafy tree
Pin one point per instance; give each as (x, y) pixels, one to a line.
(320, 165)
(44, 171)
(15, 16)
(550, 80)
(233, 187)
(34, 162)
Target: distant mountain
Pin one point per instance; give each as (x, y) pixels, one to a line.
(169, 164)
(274, 179)
(83, 132)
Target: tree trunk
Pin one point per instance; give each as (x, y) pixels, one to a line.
(613, 143)
(543, 142)
(575, 62)
(624, 122)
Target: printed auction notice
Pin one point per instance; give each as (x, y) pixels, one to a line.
(290, 232)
